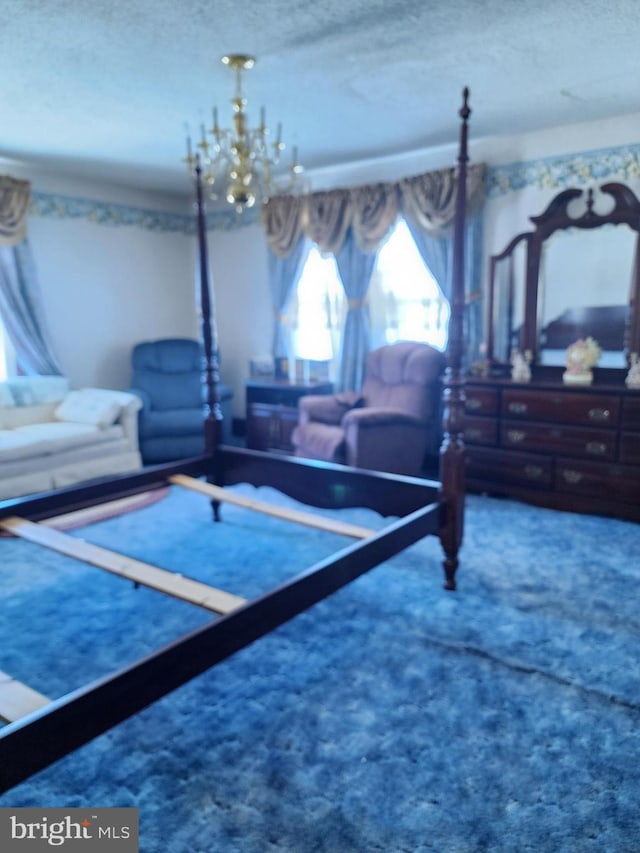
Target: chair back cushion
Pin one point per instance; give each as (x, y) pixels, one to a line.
(402, 376)
(170, 371)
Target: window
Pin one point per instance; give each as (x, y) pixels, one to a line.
(317, 309)
(405, 301)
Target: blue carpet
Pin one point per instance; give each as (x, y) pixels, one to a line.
(392, 717)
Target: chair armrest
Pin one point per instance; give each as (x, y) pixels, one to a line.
(379, 416)
(326, 408)
(129, 421)
(143, 396)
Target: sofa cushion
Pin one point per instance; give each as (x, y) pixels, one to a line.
(6, 397)
(14, 445)
(89, 406)
(44, 439)
(34, 390)
(17, 416)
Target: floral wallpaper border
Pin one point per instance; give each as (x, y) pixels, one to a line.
(621, 162)
(554, 173)
(59, 206)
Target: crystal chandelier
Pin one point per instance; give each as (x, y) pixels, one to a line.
(240, 161)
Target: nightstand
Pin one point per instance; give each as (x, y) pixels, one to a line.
(272, 411)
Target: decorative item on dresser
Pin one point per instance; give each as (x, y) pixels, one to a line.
(272, 411)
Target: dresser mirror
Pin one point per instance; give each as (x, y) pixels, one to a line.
(576, 274)
(584, 289)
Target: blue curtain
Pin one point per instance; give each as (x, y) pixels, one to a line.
(355, 268)
(474, 332)
(22, 311)
(284, 274)
(436, 249)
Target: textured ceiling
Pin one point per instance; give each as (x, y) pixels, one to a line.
(106, 87)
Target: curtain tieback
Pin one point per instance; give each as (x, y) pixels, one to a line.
(354, 304)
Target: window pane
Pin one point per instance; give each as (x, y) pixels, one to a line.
(316, 309)
(411, 305)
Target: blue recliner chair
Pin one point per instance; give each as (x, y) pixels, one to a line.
(167, 377)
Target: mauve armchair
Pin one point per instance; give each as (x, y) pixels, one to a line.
(391, 425)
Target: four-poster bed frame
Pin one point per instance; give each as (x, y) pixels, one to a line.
(40, 731)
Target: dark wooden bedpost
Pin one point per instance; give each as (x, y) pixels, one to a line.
(211, 365)
(452, 454)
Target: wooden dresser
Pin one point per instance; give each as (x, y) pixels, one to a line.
(272, 411)
(555, 445)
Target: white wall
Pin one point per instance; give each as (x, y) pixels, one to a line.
(107, 288)
(238, 261)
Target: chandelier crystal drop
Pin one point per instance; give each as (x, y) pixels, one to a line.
(239, 161)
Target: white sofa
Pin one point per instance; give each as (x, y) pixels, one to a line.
(51, 437)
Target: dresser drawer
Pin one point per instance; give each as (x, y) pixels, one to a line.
(480, 431)
(481, 401)
(599, 410)
(615, 482)
(569, 441)
(517, 469)
(630, 448)
(631, 413)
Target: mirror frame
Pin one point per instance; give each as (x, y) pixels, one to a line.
(625, 211)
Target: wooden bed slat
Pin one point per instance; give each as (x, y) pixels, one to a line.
(307, 518)
(17, 700)
(126, 567)
(90, 514)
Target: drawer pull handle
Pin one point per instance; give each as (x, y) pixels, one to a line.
(572, 477)
(599, 415)
(474, 404)
(533, 472)
(473, 434)
(518, 408)
(516, 435)
(596, 448)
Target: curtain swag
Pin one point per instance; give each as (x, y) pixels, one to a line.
(370, 211)
(15, 197)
